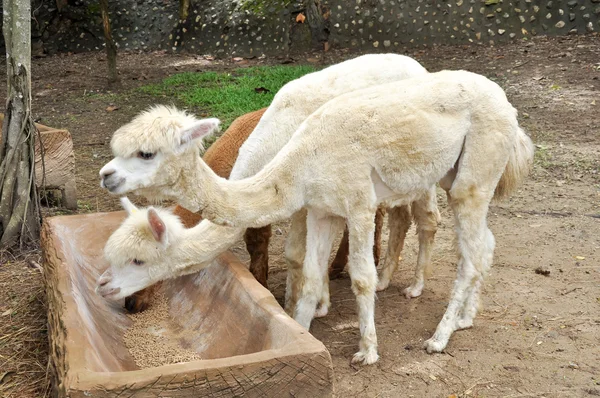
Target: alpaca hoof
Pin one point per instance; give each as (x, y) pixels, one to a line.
(321, 311)
(303, 317)
(413, 291)
(367, 357)
(382, 285)
(462, 324)
(433, 345)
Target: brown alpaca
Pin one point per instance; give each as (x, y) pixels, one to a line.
(220, 157)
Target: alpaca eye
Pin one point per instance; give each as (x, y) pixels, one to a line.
(137, 262)
(145, 155)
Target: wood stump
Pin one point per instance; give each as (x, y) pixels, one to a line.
(58, 169)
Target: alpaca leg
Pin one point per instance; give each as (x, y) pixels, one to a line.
(321, 231)
(475, 251)
(295, 247)
(377, 239)
(469, 311)
(341, 257)
(399, 223)
(257, 244)
(363, 274)
(470, 189)
(325, 246)
(427, 217)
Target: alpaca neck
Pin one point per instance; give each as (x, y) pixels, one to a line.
(269, 196)
(197, 247)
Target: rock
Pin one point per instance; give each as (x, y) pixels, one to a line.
(542, 271)
(560, 24)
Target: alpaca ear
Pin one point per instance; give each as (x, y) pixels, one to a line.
(157, 226)
(129, 207)
(200, 129)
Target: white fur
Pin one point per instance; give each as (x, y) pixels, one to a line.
(411, 134)
(161, 131)
(173, 132)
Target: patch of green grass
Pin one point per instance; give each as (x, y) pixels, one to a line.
(543, 157)
(84, 206)
(227, 95)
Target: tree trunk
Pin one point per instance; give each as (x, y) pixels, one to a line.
(19, 205)
(184, 9)
(111, 47)
(60, 4)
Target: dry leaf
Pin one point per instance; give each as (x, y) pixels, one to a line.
(7, 312)
(300, 18)
(4, 376)
(111, 108)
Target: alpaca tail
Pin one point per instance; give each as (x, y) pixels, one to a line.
(518, 166)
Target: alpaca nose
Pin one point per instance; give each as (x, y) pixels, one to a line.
(105, 278)
(107, 172)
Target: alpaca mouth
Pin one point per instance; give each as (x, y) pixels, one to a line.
(107, 292)
(112, 184)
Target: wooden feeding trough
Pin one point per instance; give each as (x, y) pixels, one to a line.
(246, 343)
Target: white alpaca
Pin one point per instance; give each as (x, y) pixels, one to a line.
(143, 149)
(386, 144)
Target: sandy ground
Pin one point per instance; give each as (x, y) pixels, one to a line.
(535, 336)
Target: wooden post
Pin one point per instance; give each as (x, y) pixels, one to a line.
(111, 47)
(184, 9)
(19, 205)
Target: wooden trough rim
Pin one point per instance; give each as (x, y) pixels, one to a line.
(301, 343)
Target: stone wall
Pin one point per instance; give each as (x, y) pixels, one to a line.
(220, 27)
(256, 27)
(391, 23)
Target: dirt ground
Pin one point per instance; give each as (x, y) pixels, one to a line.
(537, 334)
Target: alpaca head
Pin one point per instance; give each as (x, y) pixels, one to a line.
(153, 149)
(139, 250)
